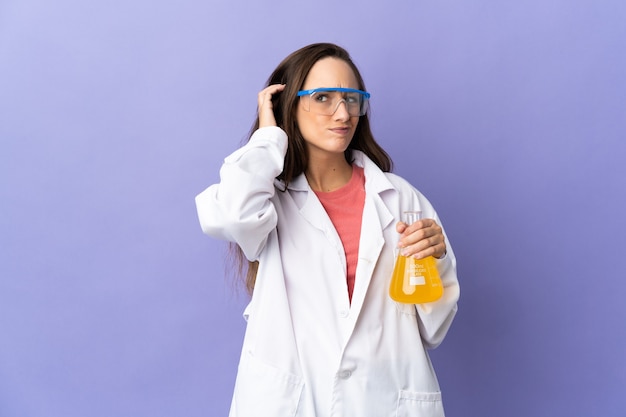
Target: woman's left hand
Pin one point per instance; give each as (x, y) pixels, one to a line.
(421, 239)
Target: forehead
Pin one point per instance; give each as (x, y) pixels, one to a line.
(330, 72)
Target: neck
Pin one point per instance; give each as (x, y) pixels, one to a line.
(328, 175)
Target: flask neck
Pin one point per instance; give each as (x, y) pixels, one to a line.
(411, 217)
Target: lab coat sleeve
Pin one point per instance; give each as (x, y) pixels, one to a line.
(435, 319)
(239, 208)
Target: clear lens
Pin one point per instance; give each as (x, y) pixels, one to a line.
(327, 101)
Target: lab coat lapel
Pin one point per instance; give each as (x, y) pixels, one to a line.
(308, 204)
(314, 213)
(376, 218)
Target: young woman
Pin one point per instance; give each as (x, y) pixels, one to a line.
(311, 204)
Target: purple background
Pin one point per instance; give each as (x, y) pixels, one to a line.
(509, 116)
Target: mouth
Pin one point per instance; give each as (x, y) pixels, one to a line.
(341, 130)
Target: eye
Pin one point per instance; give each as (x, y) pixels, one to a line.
(321, 97)
(352, 98)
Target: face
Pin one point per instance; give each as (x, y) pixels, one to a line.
(328, 134)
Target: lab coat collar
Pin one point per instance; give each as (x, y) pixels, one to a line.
(379, 190)
(377, 186)
(376, 182)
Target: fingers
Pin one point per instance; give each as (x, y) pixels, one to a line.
(266, 109)
(421, 239)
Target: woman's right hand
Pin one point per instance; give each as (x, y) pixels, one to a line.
(266, 109)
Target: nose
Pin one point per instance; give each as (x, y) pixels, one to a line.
(341, 112)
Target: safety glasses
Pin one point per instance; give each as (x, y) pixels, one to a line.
(326, 101)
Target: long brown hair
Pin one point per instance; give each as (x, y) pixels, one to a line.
(292, 72)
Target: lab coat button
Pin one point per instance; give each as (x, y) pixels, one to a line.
(344, 313)
(345, 374)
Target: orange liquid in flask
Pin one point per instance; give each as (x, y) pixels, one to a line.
(415, 281)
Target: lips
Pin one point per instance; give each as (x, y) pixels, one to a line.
(340, 130)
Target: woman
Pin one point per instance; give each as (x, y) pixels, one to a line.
(310, 198)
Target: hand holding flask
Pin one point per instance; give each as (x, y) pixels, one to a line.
(415, 281)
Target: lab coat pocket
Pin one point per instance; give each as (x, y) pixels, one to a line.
(263, 390)
(419, 404)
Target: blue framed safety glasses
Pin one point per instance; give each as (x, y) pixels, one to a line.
(326, 101)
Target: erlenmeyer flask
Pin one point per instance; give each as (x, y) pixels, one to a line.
(415, 281)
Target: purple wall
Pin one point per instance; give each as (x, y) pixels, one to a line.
(511, 117)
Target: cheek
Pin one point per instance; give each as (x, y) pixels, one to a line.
(307, 122)
(302, 117)
(355, 123)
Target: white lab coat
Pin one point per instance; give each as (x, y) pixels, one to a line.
(307, 352)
